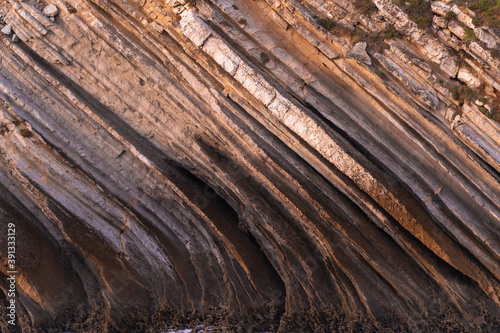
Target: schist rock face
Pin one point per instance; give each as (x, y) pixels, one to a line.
(255, 166)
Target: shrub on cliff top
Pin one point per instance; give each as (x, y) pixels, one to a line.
(390, 32)
(419, 11)
(469, 34)
(366, 7)
(327, 24)
(451, 15)
(487, 11)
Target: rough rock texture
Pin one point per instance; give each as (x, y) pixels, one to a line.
(226, 162)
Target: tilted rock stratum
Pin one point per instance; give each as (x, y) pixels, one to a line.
(301, 166)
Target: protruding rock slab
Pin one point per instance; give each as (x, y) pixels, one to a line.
(358, 53)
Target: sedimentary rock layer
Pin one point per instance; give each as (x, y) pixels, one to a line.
(248, 164)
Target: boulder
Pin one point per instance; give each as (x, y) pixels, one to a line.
(7, 30)
(51, 10)
(358, 53)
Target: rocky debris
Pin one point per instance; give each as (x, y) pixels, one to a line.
(51, 10)
(7, 29)
(450, 114)
(179, 6)
(176, 3)
(358, 53)
(457, 121)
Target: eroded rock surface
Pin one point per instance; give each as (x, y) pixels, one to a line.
(249, 165)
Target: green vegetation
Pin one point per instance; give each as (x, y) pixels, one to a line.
(477, 21)
(451, 15)
(469, 34)
(264, 58)
(462, 93)
(327, 24)
(487, 11)
(469, 94)
(358, 37)
(235, 7)
(242, 21)
(390, 32)
(337, 29)
(379, 73)
(493, 113)
(366, 7)
(419, 11)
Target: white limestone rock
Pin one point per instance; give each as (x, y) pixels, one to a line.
(194, 28)
(457, 29)
(465, 74)
(7, 30)
(440, 8)
(51, 10)
(484, 36)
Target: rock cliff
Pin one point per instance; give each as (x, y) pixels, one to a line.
(301, 166)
